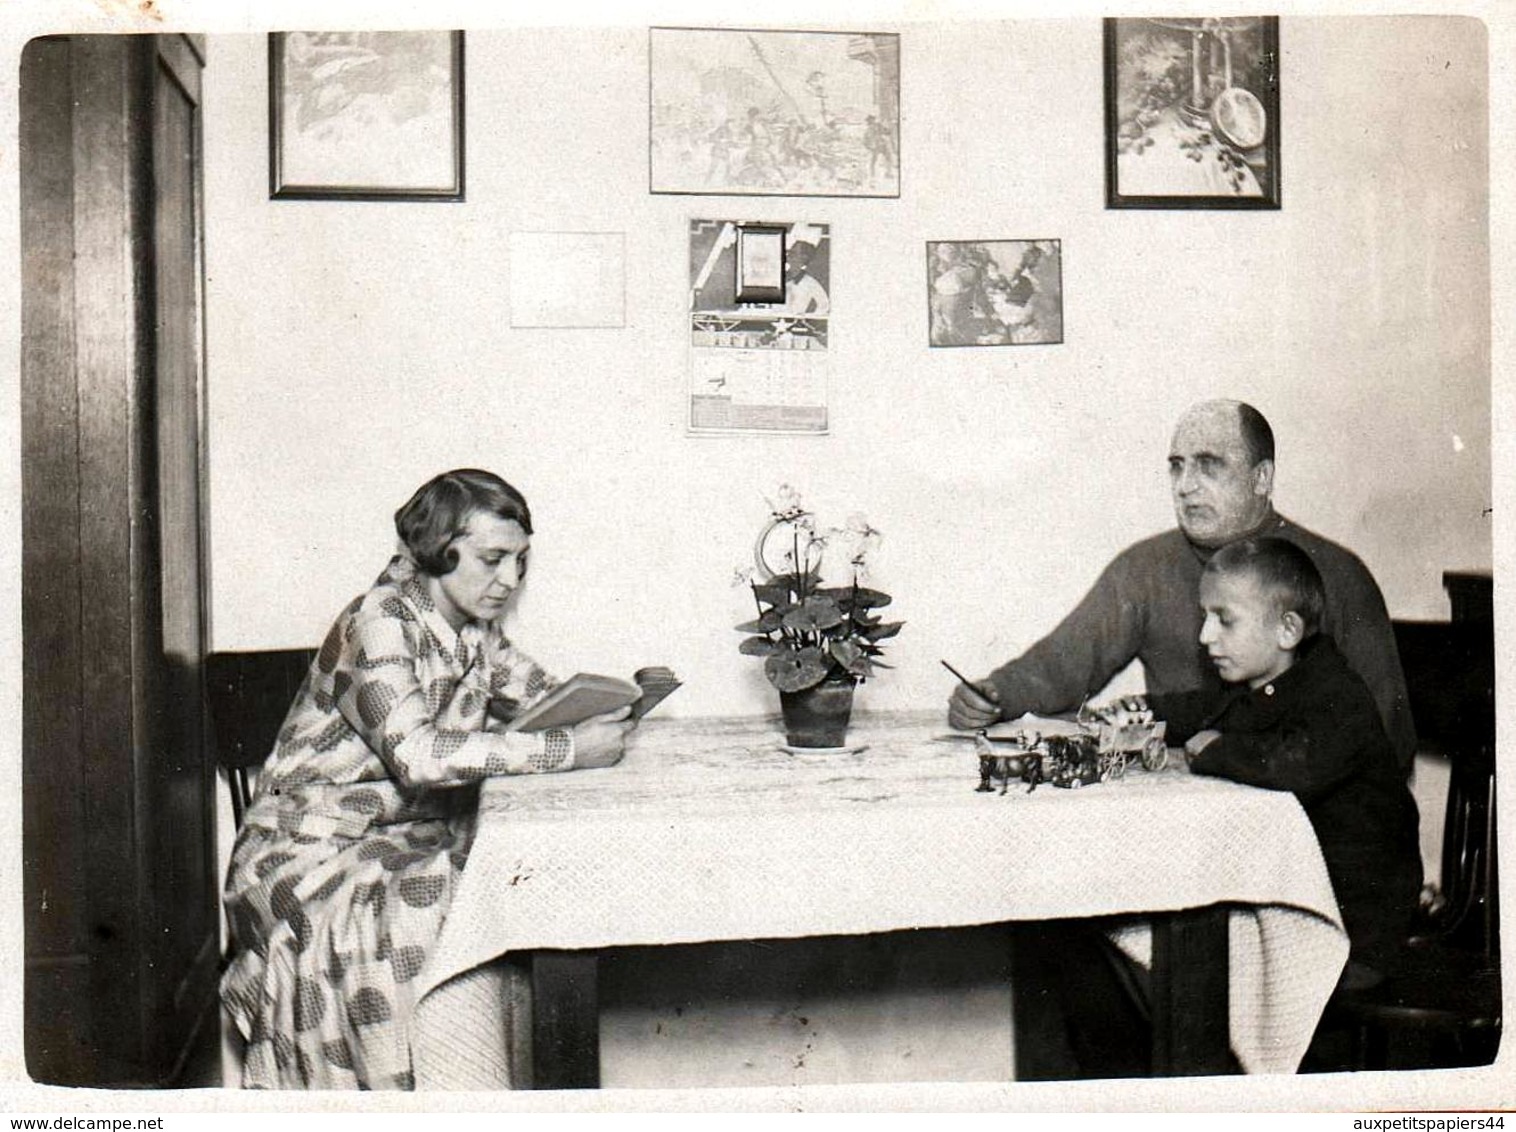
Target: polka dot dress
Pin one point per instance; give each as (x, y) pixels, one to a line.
(345, 866)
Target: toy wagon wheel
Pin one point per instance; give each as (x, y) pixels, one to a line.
(1117, 767)
(1155, 756)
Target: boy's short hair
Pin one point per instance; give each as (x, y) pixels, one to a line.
(1281, 568)
(440, 511)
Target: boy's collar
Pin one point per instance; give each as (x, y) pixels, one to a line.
(1305, 653)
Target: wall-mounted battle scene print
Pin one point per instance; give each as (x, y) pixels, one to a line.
(774, 113)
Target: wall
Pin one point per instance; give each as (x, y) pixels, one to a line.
(357, 348)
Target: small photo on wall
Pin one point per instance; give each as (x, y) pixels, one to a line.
(994, 292)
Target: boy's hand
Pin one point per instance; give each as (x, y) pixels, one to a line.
(601, 739)
(1199, 742)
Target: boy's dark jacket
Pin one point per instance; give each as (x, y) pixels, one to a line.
(1314, 730)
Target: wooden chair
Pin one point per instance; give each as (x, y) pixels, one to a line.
(249, 695)
(1445, 992)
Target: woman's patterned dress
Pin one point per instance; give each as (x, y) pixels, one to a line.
(345, 865)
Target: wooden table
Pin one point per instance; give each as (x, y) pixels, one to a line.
(709, 830)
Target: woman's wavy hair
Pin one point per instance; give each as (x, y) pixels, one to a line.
(439, 513)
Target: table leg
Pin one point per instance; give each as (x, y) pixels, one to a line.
(560, 1011)
(1191, 992)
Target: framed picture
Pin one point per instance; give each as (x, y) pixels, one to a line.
(1192, 112)
(765, 113)
(994, 292)
(760, 263)
(359, 115)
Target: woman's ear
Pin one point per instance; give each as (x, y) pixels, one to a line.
(1291, 630)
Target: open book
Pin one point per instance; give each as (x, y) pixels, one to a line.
(587, 694)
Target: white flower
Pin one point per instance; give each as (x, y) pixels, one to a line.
(786, 506)
(860, 539)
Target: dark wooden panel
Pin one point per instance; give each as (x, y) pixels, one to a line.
(108, 297)
(179, 839)
(118, 785)
(52, 776)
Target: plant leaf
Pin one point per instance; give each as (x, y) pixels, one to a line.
(795, 583)
(757, 646)
(813, 615)
(883, 630)
(772, 594)
(845, 653)
(768, 623)
(794, 670)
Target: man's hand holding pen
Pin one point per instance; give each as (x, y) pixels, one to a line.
(972, 706)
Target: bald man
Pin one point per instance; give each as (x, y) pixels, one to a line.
(1146, 604)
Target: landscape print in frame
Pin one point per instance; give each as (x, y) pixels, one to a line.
(366, 115)
(774, 113)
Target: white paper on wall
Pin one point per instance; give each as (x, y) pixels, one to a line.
(568, 279)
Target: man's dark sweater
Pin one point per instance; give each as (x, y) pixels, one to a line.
(1146, 605)
(1314, 731)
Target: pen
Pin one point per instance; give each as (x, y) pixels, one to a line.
(986, 693)
(961, 677)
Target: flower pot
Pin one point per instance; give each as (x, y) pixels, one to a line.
(818, 717)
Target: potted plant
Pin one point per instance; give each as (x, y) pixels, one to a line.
(818, 642)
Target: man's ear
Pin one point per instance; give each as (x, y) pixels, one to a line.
(1263, 478)
(1291, 630)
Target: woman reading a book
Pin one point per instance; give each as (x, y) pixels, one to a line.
(344, 867)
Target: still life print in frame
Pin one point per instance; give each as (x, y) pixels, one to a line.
(794, 113)
(1192, 112)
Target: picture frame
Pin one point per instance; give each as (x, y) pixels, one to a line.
(359, 115)
(773, 113)
(1192, 112)
(760, 263)
(1001, 292)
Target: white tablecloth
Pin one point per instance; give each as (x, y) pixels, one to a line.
(709, 830)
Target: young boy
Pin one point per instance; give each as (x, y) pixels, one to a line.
(1302, 720)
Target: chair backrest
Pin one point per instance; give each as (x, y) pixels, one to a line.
(249, 695)
(1450, 678)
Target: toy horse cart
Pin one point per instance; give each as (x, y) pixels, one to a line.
(1069, 761)
(1119, 742)
(1107, 741)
